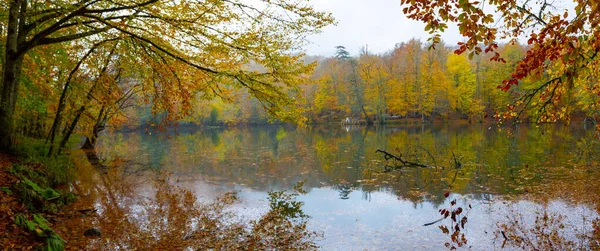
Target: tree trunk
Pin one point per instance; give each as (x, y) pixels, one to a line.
(71, 128)
(90, 143)
(12, 73)
(57, 118)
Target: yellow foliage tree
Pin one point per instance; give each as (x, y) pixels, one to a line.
(186, 46)
(463, 79)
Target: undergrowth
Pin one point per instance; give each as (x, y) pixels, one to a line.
(39, 226)
(35, 192)
(39, 175)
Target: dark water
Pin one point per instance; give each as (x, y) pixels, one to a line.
(503, 174)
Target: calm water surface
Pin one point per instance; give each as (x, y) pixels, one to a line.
(503, 174)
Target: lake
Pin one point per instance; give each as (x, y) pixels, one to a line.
(501, 177)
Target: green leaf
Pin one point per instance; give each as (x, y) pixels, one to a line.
(55, 243)
(41, 221)
(6, 190)
(30, 225)
(50, 194)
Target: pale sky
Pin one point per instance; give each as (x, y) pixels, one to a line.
(380, 24)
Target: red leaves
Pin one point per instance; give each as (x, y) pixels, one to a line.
(455, 213)
(444, 212)
(455, 227)
(447, 194)
(506, 84)
(496, 57)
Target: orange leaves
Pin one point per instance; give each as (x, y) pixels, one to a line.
(471, 19)
(444, 229)
(134, 210)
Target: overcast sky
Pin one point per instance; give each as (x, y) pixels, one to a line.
(380, 24)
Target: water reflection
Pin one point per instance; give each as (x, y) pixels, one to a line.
(354, 202)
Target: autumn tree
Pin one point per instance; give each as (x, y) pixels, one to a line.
(39, 89)
(210, 43)
(413, 77)
(327, 97)
(566, 40)
(490, 73)
(97, 75)
(433, 80)
(440, 94)
(374, 76)
(401, 96)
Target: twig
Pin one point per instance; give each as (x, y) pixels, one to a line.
(388, 156)
(431, 223)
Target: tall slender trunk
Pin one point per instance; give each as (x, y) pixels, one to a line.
(12, 73)
(90, 142)
(71, 128)
(58, 117)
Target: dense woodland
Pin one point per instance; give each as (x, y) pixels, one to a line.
(410, 83)
(414, 80)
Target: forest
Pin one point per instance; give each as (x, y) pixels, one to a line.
(409, 84)
(413, 82)
(157, 124)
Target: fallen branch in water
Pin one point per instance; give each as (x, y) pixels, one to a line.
(405, 163)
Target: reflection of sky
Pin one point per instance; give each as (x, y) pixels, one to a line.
(255, 161)
(386, 222)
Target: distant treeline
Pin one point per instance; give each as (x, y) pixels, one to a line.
(410, 83)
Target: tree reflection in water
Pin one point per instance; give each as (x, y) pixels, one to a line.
(533, 167)
(146, 209)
